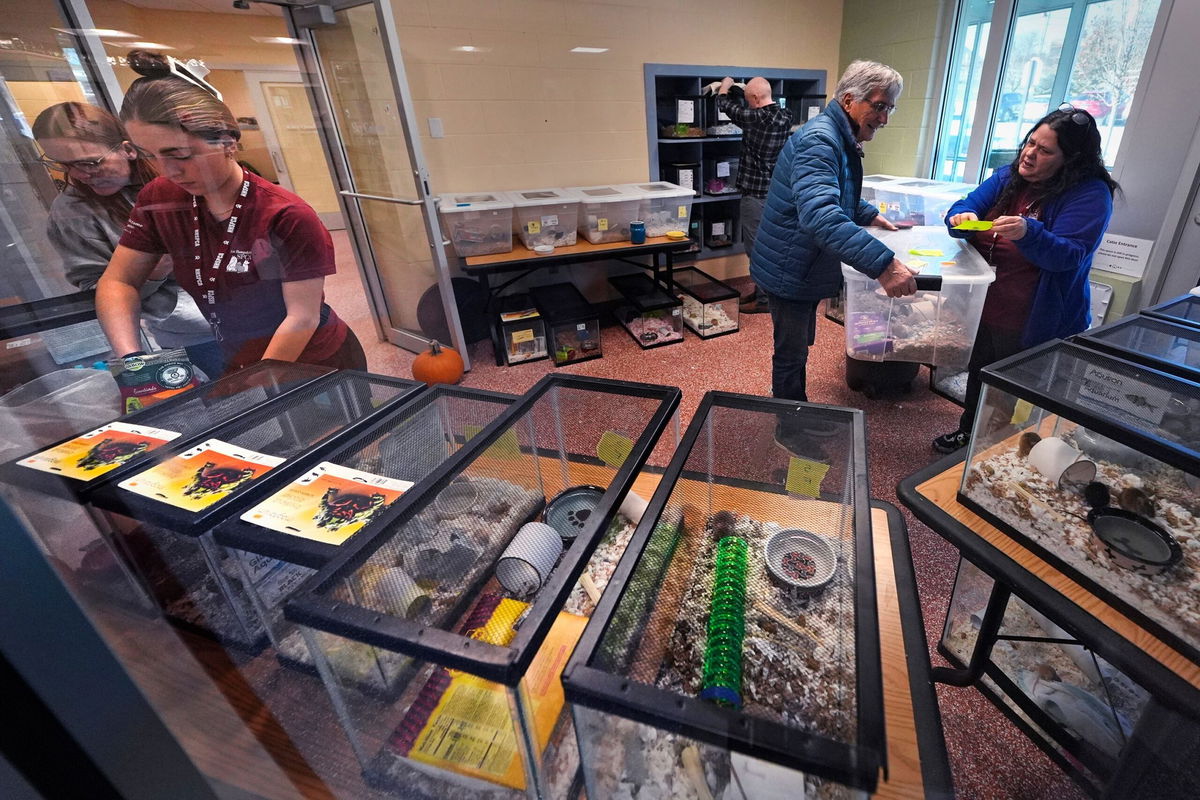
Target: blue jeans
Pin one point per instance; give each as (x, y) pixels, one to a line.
(795, 331)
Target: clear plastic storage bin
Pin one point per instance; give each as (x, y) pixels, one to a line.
(545, 216)
(918, 200)
(664, 206)
(483, 629)
(937, 325)
(477, 224)
(710, 307)
(649, 313)
(606, 211)
(872, 182)
(60, 402)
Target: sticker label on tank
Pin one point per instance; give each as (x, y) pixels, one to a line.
(523, 336)
(722, 169)
(602, 224)
(804, 477)
(683, 212)
(533, 226)
(550, 220)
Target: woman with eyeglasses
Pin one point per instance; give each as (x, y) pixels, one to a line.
(253, 255)
(103, 174)
(1049, 210)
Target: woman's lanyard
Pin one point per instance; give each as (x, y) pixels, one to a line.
(210, 292)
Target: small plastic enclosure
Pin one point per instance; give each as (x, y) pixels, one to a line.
(650, 314)
(773, 653)
(468, 657)
(572, 323)
(1138, 431)
(478, 224)
(710, 307)
(937, 324)
(606, 211)
(664, 206)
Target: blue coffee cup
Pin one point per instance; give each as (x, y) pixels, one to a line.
(637, 232)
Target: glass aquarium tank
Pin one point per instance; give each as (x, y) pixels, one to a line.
(1184, 309)
(520, 331)
(1093, 462)
(573, 324)
(742, 619)
(68, 469)
(471, 584)
(651, 315)
(1166, 346)
(163, 513)
(710, 307)
(1068, 697)
(937, 324)
(314, 508)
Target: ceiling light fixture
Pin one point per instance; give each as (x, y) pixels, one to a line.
(147, 45)
(278, 40)
(589, 49)
(470, 48)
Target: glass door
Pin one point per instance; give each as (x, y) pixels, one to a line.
(361, 92)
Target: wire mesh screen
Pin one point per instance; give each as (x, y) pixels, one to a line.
(1116, 390)
(314, 413)
(438, 561)
(214, 403)
(744, 594)
(1150, 337)
(1186, 308)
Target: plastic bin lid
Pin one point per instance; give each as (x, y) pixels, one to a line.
(968, 265)
(607, 194)
(479, 201)
(875, 180)
(657, 189)
(540, 197)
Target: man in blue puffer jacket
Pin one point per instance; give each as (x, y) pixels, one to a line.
(812, 223)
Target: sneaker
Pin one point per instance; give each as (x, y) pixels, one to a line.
(754, 307)
(949, 442)
(800, 446)
(820, 428)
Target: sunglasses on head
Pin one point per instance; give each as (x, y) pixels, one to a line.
(1078, 117)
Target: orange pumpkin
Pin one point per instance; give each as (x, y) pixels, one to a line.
(438, 365)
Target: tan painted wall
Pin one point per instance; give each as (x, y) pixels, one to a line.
(907, 42)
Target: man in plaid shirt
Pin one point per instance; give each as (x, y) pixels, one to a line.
(765, 128)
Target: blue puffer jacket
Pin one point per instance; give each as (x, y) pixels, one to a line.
(811, 222)
(1061, 245)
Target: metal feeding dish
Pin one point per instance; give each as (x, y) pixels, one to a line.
(569, 511)
(800, 561)
(1133, 541)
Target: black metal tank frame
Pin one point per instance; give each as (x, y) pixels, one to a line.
(989, 629)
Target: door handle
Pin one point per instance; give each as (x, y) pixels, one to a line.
(279, 166)
(402, 201)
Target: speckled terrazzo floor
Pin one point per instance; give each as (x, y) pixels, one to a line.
(990, 758)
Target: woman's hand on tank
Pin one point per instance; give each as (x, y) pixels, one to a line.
(1010, 227)
(959, 219)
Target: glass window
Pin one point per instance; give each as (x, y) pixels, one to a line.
(1085, 52)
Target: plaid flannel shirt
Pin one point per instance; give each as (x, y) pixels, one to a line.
(764, 132)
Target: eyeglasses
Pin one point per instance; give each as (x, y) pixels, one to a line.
(1079, 117)
(83, 164)
(882, 108)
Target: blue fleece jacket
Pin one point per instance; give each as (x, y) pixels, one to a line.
(814, 212)
(1060, 244)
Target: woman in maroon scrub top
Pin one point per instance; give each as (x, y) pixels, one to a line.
(254, 256)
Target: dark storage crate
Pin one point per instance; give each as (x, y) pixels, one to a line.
(274, 555)
(520, 330)
(686, 174)
(1184, 310)
(710, 307)
(164, 513)
(720, 175)
(572, 323)
(649, 313)
(742, 616)
(1125, 456)
(682, 117)
(718, 230)
(482, 664)
(1166, 346)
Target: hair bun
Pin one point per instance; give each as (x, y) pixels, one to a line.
(148, 63)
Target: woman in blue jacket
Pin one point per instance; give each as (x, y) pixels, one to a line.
(1049, 210)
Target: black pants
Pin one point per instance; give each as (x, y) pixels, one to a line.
(991, 345)
(795, 330)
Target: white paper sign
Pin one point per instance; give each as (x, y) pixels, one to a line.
(685, 111)
(1105, 390)
(550, 221)
(722, 169)
(718, 229)
(1123, 255)
(685, 178)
